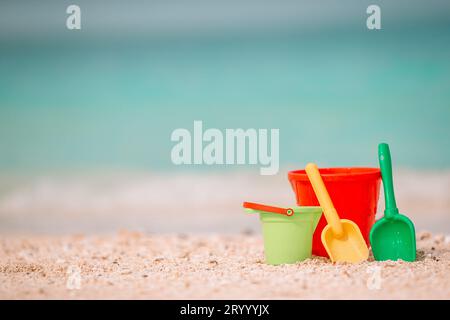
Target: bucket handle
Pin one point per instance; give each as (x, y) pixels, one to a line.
(262, 207)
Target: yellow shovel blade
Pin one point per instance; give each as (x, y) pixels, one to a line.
(350, 247)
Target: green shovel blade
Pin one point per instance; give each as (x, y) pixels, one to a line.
(392, 237)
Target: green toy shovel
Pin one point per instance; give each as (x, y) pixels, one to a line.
(393, 236)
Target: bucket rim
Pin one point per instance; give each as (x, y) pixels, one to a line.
(298, 210)
(338, 173)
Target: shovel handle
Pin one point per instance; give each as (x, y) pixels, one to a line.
(324, 199)
(262, 207)
(384, 156)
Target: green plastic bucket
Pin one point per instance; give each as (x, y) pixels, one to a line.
(288, 239)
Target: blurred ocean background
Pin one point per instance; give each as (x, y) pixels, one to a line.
(86, 116)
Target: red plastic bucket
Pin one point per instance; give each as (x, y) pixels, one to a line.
(354, 192)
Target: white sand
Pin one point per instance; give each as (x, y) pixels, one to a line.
(48, 263)
(132, 265)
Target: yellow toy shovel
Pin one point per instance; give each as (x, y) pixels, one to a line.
(341, 237)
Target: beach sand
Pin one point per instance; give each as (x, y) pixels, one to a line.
(191, 239)
(132, 265)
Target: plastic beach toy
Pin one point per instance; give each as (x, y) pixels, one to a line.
(287, 232)
(392, 237)
(354, 190)
(341, 238)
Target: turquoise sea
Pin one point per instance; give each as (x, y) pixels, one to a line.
(86, 116)
(77, 100)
